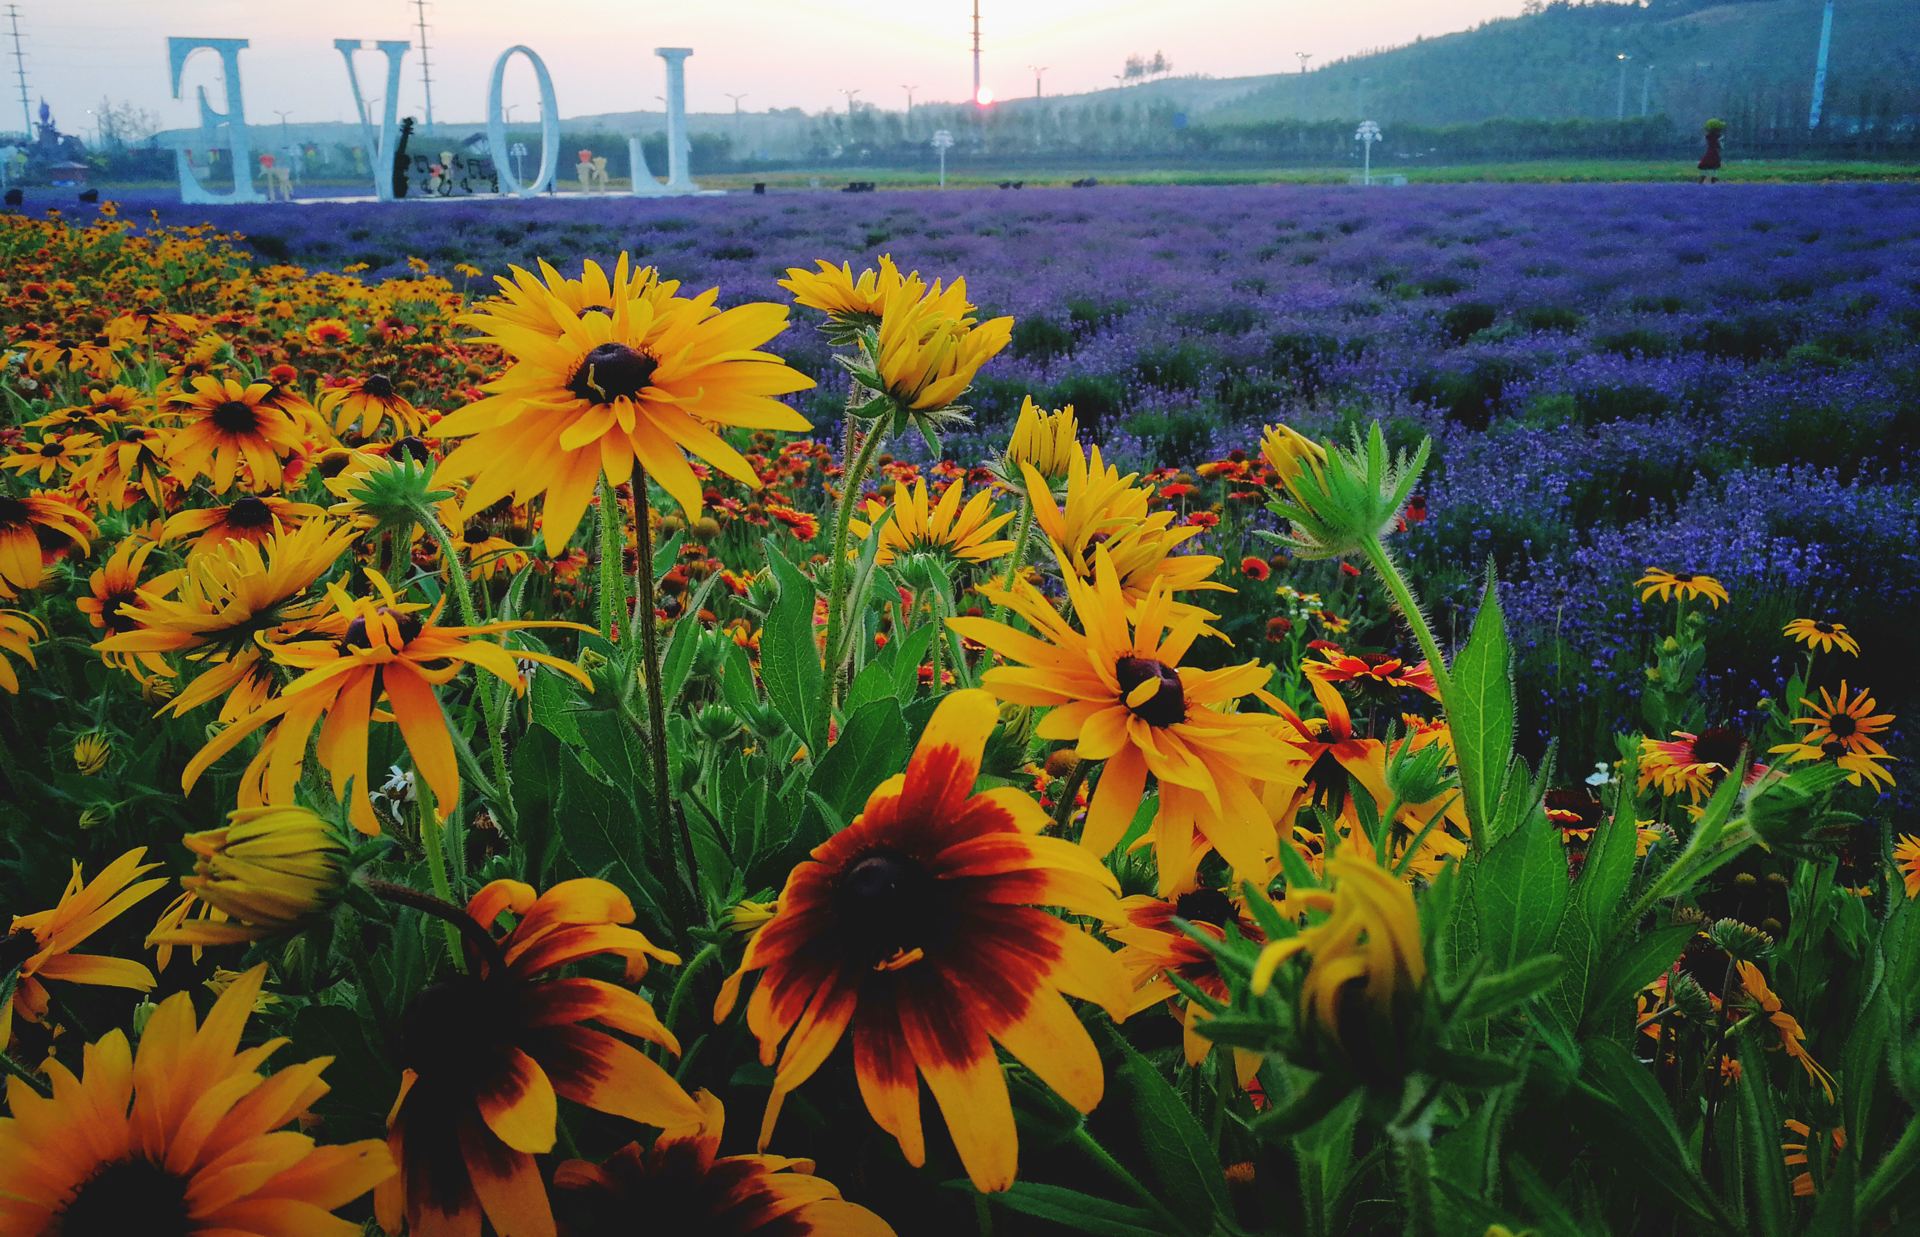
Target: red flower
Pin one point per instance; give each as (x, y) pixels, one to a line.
(1255, 568)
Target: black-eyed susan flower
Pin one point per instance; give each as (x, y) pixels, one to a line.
(1367, 947)
(643, 386)
(530, 299)
(21, 562)
(1793, 1039)
(114, 585)
(682, 1184)
(1847, 722)
(486, 1054)
(182, 1136)
(368, 648)
(91, 752)
(1822, 635)
(251, 517)
(1103, 510)
(1906, 857)
(41, 944)
(1376, 669)
(225, 423)
(945, 529)
(851, 303)
(67, 354)
(1680, 586)
(1154, 947)
(367, 404)
(269, 871)
(118, 473)
(918, 928)
(51, 458)
(923, 357)
(1694, 762)
(1116, 687)
(19, 632)
(1045, 441)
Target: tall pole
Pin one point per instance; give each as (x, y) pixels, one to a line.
(909, 90)
(1620, 103)
(850, 94)
(1819, 67)
(976, 51)
(20, 71)
(1038, 69)
(426, 67)
(1303, 57)
(1646, 89)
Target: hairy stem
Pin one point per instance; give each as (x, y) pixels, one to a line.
(612, 547)
(665, 810)
(1403, 599)
(851, 482)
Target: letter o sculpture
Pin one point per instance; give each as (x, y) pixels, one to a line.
(549, 125)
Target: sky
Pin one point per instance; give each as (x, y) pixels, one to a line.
(779, 53)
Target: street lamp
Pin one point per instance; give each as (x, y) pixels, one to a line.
(1620, 103)
(1367, 134)
(850, 94)
(910, 90)
(1038, 69)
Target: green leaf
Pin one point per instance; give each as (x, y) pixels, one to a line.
(1480, 712)
(1493, 994)
(1306, 1108)
(1521, 893)
(1625, 970)
(1637, 1128)
(1082, 1213)
(1766, 1172)
(677, 662)
(790, 660)
(1179, 1152)
(869, 750)
(1612, 857)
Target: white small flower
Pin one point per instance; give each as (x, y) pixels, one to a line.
(1602, 774)
(399, 785)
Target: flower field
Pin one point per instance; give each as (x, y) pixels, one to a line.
(1138, 712)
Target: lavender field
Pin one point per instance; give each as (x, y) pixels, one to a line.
(1721, 379)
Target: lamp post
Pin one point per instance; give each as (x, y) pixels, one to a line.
(1367, 134)
(1646, 89)
(850, 94)
(942, 139)
(1620, 103)
(909, 90)
(1303, 57)
(1038, 69)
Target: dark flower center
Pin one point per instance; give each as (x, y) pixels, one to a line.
(476, 534)
(52, 449)
(1205, 906)
(1685, 577)
(128, 1196)
(249, 512)
(15, 948)
(1168, 704)
(379, 386)
(236, 417)
(357, 638)
(1823, 627)
(1842, 725)
(334, 463)
(612, 371)
(411, 448)
(1833, 750)
(113, 610)
(596, 309)
(1717, 745)
(12, 512)
(885, 905)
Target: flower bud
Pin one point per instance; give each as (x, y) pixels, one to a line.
(271, 870)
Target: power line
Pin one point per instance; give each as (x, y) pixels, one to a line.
(426, 66)
(20, 70)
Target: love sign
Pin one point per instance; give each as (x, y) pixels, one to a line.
(381, 143)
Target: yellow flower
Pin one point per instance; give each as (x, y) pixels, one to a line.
(1117, 688)
(846, 300)
(226, 422)
(1906, 857)
(370, 403)
(52, 456)
(21, 563)
(1793, 1040)
(1821, 635)
(928, 353)
(1684, 586)
(1046, 442)
(41, 945)
(182, 1135)
(1290, 454)
(639, 388)
(1370, 937)
(948, 529)
(269, 871)
(91, 752)
(18, 633)
(1847, 725)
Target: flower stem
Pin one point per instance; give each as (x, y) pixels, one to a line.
(612, 549)
(1389, 574)
(851, 482)
(666, 811)
(1416, 1159)
(1018, 559)
(1063, 810)
(40, 1086)
(684, 984)
(458, 924)
(1118, 1171)
(431, 841)
(483, 684)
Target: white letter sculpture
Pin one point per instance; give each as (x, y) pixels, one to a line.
(179, 51)
(679, 145)
(380, 152)
(549, 125)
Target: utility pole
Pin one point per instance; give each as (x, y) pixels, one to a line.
(1646, 89)
(909, 90)
(850, 94)
(1303, 57)
(1819, 67)
(736, 111)
(426, 67)
(1038, 69)
(20, 71)
(976, 51)
(1620, 103)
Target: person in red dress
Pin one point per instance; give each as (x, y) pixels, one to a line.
(1710, 162)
